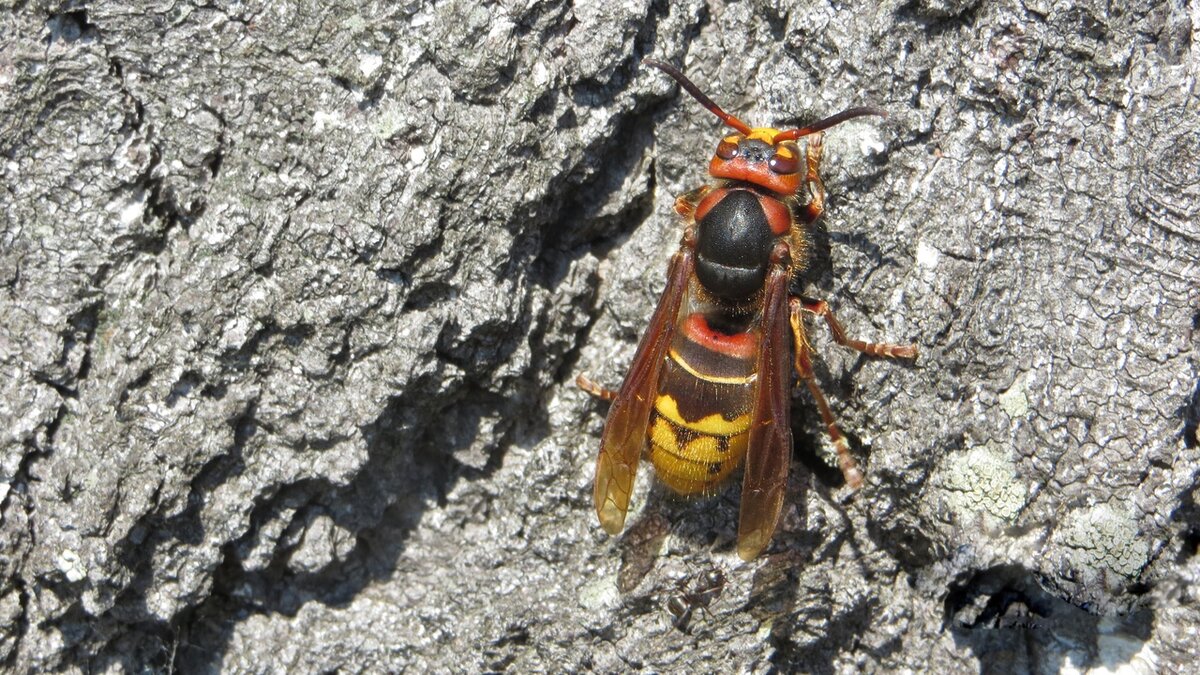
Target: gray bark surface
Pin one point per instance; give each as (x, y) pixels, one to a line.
(293, 296)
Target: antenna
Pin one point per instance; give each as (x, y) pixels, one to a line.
(699, 95)
(793, 134)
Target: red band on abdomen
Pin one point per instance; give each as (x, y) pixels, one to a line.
(738, 345)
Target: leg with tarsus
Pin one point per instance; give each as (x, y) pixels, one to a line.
(685, 204)
(821, 308)
(599, 391)
(804, 368)
(816, 187)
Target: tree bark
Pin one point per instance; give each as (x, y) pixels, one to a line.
(293, 300)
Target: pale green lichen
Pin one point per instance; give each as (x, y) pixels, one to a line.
(1105, 537)
(982, 480)
(71, 565)
(390, 121)
(1014, 401)
(599, 594)
(355, 24)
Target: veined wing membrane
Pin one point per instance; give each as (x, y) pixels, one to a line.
(625, 429)
(770, 443)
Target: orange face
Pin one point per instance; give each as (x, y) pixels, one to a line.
(756, 158)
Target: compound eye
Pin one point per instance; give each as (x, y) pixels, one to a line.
(784, 164)
(727, 150)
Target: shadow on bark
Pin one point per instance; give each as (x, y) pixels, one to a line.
(1013, 625)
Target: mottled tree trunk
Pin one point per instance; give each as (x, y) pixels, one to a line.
(293, 296)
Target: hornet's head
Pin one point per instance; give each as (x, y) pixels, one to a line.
(763, 156)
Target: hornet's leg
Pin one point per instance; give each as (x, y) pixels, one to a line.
(850, 471)
(821, 308)
(816, 187)
(685, 204)
(594, 389)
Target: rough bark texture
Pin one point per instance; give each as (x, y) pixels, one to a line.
(292, 297)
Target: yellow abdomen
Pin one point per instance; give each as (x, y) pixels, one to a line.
(691, 462)
(701, 420)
